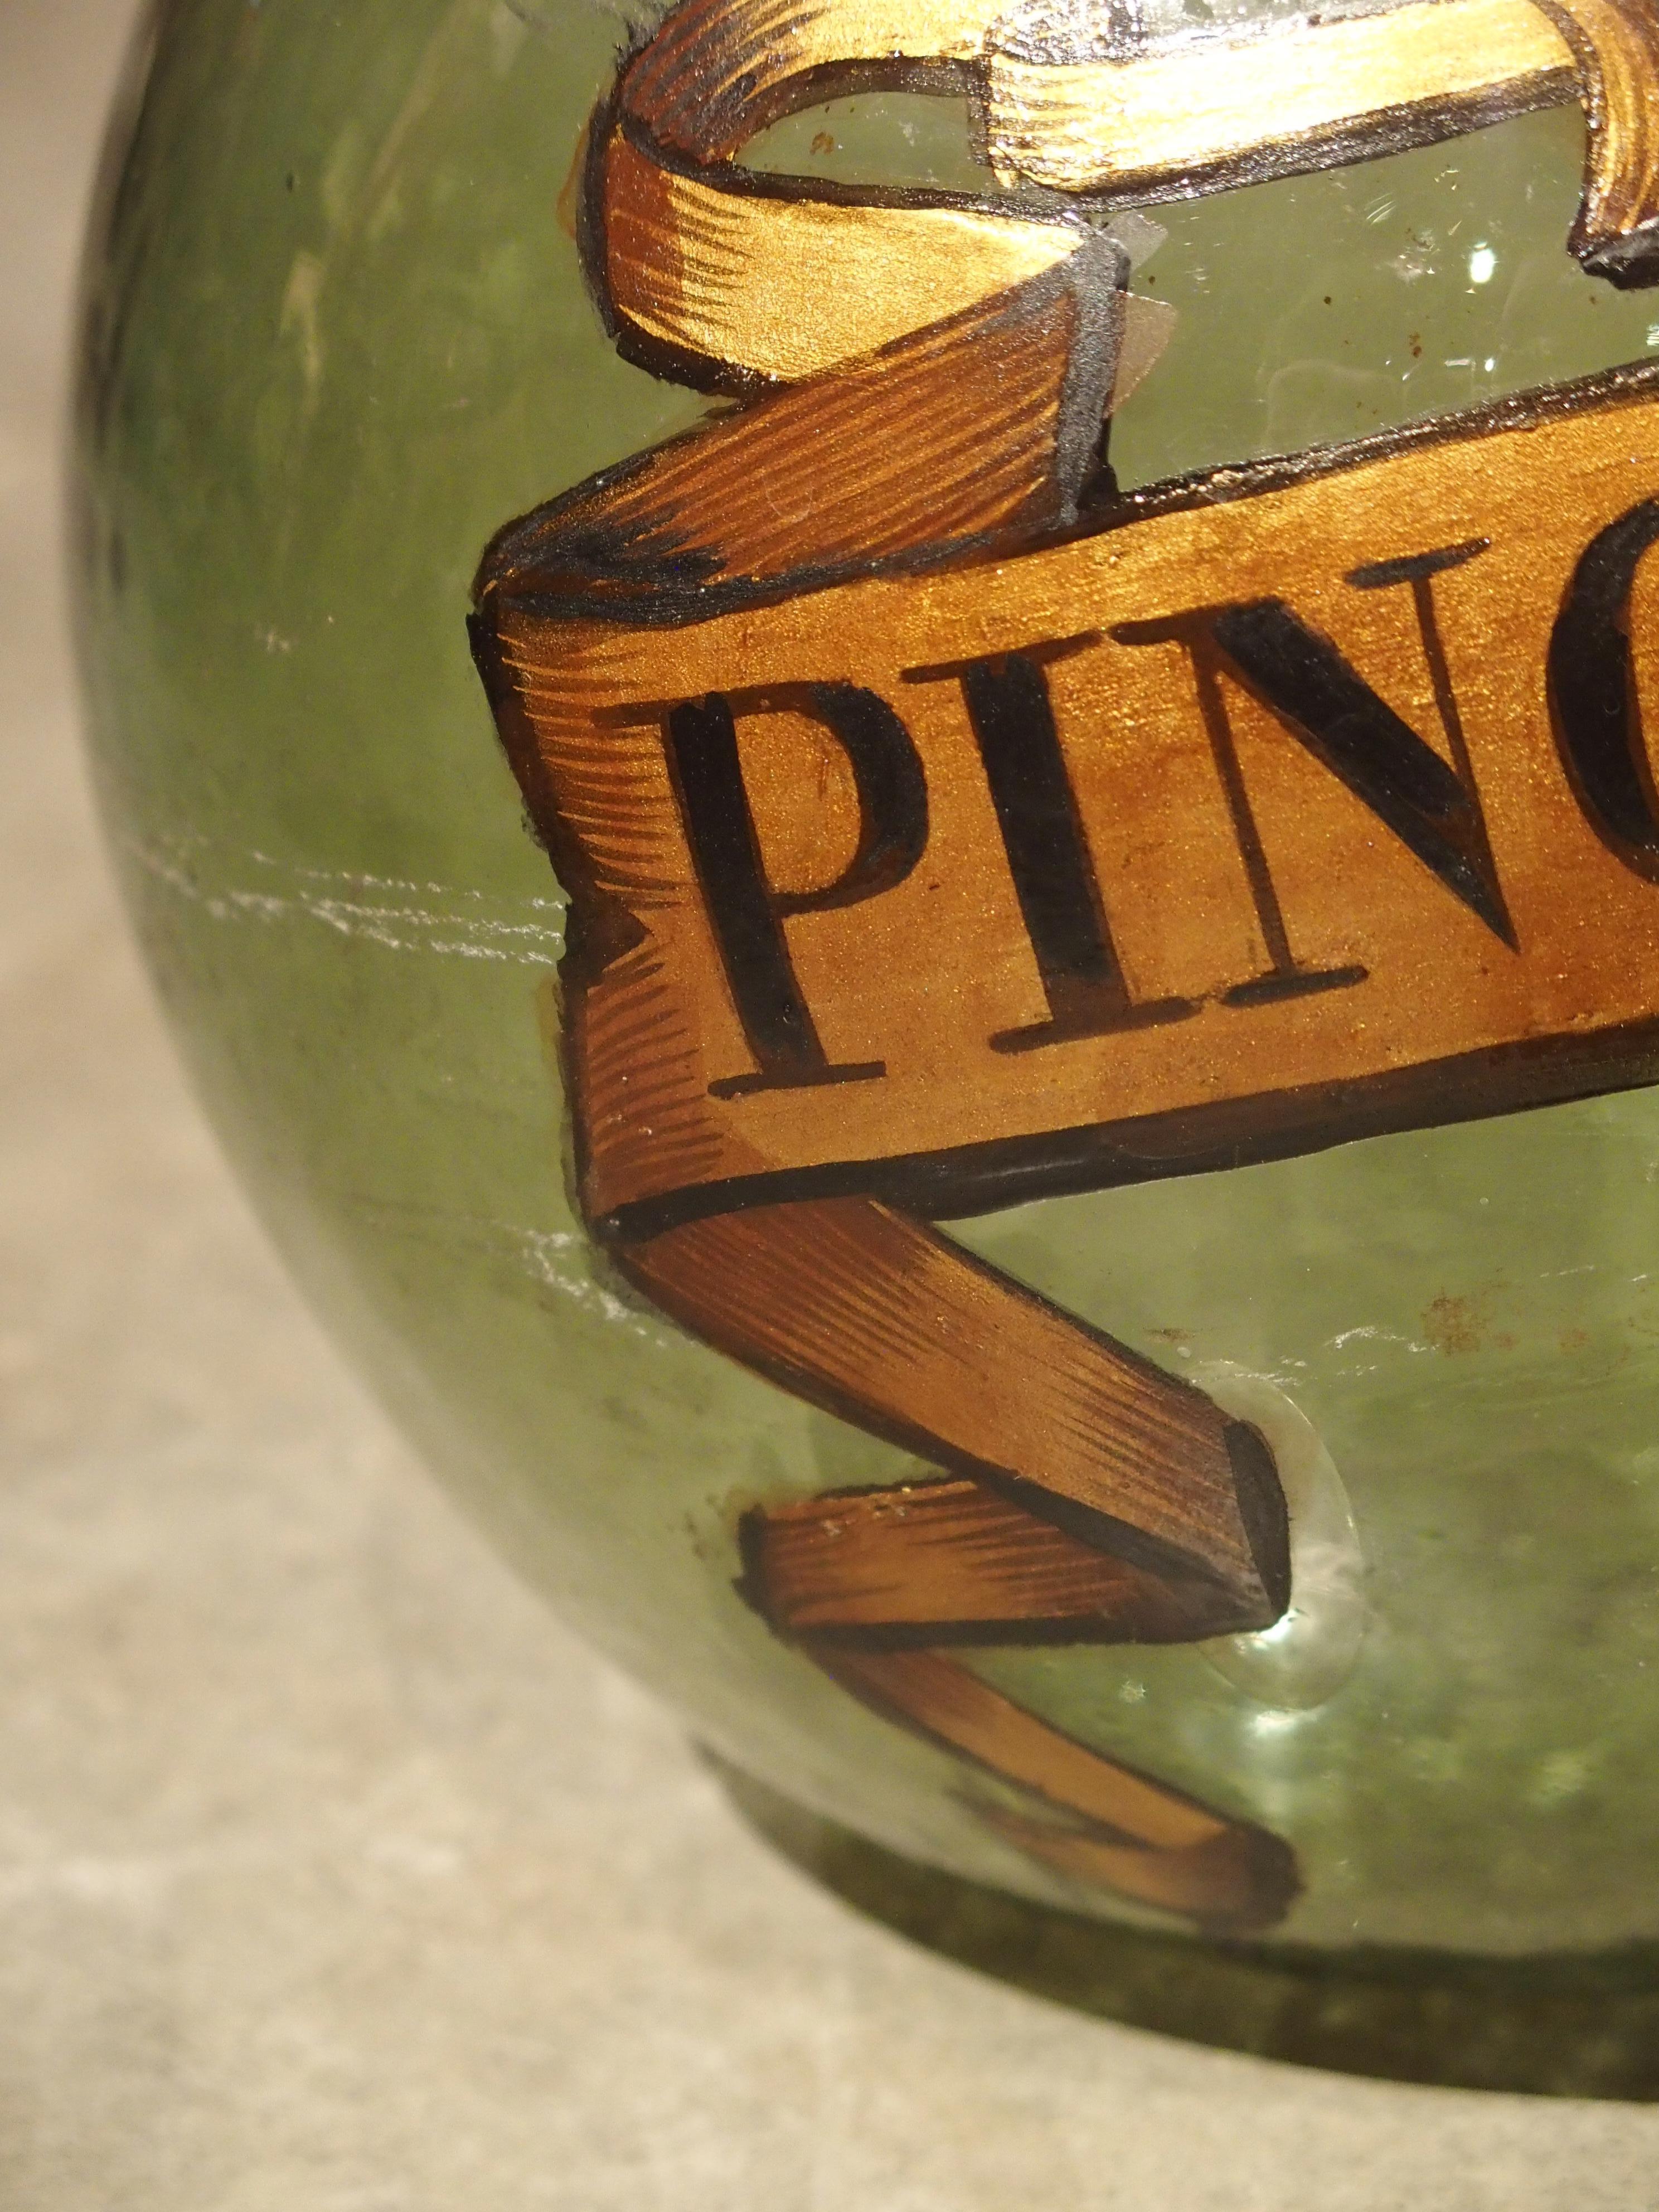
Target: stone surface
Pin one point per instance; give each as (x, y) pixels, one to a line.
(332, 1874)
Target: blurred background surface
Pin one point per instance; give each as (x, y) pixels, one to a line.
(334, 1877)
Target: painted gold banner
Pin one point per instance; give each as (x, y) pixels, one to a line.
(1244, 822)
(942, 826)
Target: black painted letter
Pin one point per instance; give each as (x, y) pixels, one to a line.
(1592, 687)
(745, 912)
(1048, 858)
(1327, 707)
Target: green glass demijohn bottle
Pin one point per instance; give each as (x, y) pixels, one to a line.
(891, 767)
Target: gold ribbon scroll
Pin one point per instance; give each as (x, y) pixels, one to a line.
(941, 828)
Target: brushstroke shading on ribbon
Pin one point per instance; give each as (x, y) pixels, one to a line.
(925, 376)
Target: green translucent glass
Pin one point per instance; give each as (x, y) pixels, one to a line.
(337, 337)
